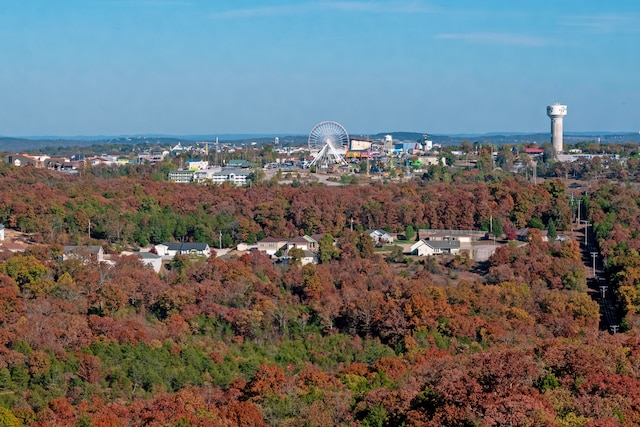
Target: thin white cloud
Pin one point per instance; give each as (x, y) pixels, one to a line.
(601, 24)
(343, 6)
(377, 7)
(153, 3)
(495, 38)
(260, 12)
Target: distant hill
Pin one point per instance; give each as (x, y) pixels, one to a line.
(512, 138)
(34, 144)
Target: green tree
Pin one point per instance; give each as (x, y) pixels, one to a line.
(29, 274)
(396, 254)
(498, 230)
(327, 249)
(536, 223)
(365, 245)
(409, 232)
(256, 176)
(296, 255)
(551, 229)
(180, 263)
(7, 419)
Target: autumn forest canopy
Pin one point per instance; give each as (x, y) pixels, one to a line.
(364, 338)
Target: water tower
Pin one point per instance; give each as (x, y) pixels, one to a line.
(556, 113)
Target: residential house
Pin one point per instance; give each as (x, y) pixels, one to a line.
(380, 237)
(309, 258)
(534, 151)
(152, 260)
(523, 234)
(271, 245)
(309, 244)
(464, 236)
(161, 249)
(152, 157)
(171, 249)
(25, 160)
(426, 247)
(84, 253)
(56, 163)
(13, 247)
(103, 160)
(200, 249)
(306, 243)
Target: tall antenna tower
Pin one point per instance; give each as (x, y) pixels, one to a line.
(216, 155)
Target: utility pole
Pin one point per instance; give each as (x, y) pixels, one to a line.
(572, 202)
(89, 228)
(594, 255)
(603, 289)
(578, 217)
(614, 328)
(351, 223)
(220, 246)
(586, 232)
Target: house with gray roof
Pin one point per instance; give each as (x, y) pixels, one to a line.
(426, 247)
(308, 244)
(150, 259)
(84, 253)
(380, 237)
(239, 163)
(171, 249)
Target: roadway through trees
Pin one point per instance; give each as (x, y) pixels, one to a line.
(598, 286)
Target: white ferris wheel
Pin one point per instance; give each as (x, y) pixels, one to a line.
(327, 142)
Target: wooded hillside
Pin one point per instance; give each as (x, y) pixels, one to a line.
(358, 340)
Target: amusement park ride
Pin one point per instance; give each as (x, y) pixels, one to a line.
(327, 142)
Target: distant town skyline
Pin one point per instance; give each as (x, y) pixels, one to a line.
(174, 67)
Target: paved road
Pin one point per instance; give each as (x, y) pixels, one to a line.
(599, 289)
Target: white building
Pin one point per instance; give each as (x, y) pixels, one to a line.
(171, 249)
(235, 176)
(435, 247)
(197, 164)
(204, 174)
(380, 237)
(152, 260)
(181, 176)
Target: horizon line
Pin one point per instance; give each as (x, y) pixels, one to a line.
(285, 134)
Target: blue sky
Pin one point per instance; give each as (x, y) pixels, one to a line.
(113, 67)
